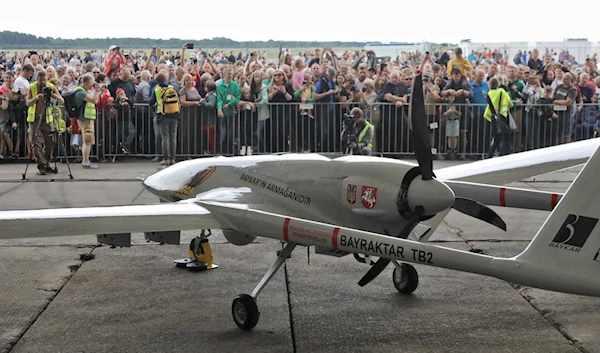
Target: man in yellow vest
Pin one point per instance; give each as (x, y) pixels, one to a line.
(363, 131)
(86, 101)
(40, 120)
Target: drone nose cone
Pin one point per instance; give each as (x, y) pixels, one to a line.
(433, 195)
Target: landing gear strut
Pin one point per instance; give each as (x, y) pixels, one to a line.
(199, 255)
(244, 309)
(405, 277)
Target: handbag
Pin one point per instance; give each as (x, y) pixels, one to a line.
(512, 124)
(76, 141)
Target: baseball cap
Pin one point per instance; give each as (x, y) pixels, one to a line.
(112, 47)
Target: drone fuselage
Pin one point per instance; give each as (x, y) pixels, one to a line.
(358, 192)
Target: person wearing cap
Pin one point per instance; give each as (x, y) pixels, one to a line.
(362, 130)
(114, 59)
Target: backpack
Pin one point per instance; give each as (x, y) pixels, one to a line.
(170, 101)
(71, 108)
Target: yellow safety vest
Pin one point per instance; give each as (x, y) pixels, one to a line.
(362, 134)
(31, 110)
(89, 111)
(502, 107)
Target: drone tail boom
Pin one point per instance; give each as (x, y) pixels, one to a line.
(565, 253)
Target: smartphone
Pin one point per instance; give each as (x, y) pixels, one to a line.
(190, 45)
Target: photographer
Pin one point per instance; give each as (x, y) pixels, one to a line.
(86, 102)
(362, 144)
(39, 117)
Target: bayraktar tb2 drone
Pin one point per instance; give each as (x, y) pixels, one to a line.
(371, 206)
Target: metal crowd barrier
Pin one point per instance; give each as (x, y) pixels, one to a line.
(456, 130)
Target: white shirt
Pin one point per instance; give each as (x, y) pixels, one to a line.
(20, 83)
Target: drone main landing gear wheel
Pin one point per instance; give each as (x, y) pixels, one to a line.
(405, 277)
(245, 312)
(244, 309)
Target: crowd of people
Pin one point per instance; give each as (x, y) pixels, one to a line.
(182, 104)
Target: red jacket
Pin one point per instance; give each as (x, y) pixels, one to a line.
(110, 64)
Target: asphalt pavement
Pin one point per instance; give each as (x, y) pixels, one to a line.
(53, 298)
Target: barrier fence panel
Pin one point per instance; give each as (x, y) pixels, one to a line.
(455, 130)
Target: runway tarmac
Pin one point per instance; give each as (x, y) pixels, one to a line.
(136, 300)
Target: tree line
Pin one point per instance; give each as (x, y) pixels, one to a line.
(17, 40)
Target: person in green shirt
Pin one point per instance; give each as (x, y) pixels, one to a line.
(228, 97)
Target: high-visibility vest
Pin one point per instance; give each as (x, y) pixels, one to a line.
(89, 111)
(362, 134)
(31, 110)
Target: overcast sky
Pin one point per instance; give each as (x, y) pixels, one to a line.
(384, 21)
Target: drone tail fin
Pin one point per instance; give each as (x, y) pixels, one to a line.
(565, 253)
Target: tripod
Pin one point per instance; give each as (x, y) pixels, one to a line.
(57, 136)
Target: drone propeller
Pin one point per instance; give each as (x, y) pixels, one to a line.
(425, 196)
(420, 130)
(478, 210)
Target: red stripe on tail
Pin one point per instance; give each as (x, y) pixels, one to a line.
(554, 201)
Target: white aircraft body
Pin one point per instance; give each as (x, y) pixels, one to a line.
(370, 206)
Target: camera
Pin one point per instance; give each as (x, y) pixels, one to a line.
(47, 91)
(100, 85)
(349, 130)
(190, 45)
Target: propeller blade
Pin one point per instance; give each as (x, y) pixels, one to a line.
(478, 210)
(420, 130)
(382, 263)
(374, 271)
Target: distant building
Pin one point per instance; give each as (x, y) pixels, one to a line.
(394, 50)
(579, 48)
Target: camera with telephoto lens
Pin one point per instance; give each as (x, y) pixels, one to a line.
(349, 129)
(47, 91)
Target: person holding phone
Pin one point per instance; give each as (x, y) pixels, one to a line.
(114, 60)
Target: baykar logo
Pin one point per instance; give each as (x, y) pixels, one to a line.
(351, 194)
(574, 232)
(369, 196)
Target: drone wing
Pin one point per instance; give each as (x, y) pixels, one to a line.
(518, 166)
(105, 220)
